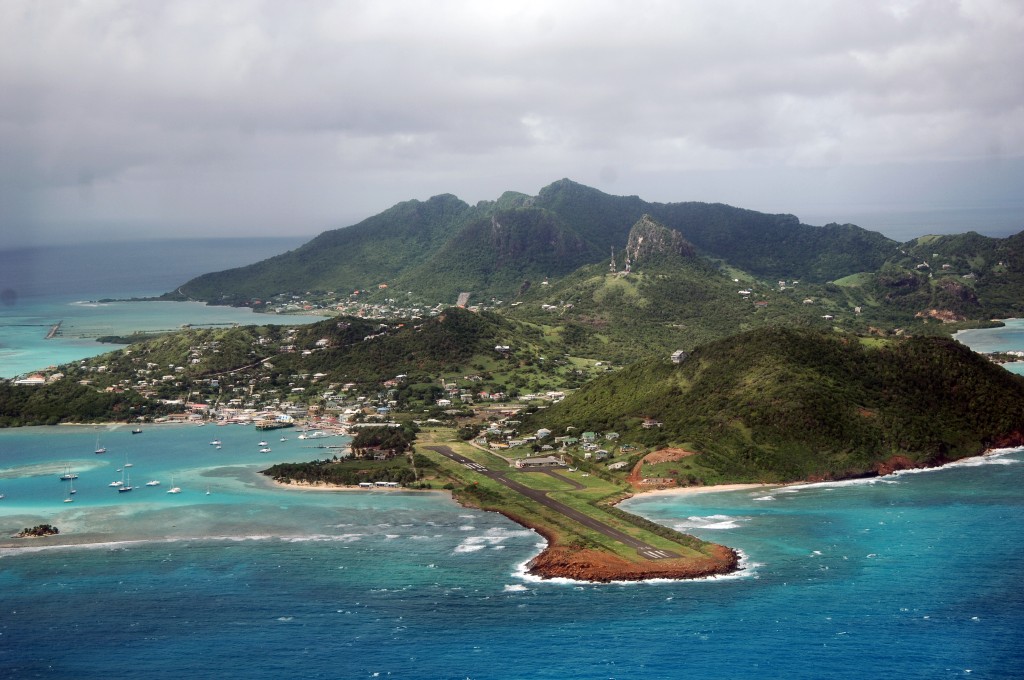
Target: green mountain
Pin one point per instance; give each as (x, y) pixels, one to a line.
(441, 247)
(783, 404)
(497, 253)
(374, 251)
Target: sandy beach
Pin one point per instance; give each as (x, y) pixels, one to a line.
(324, 486)
(694, 490)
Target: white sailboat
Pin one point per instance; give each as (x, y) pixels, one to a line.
(127, 486)
(100, 449)
(174, 489)
(68, 474)
(71, 490)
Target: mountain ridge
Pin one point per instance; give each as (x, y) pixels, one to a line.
(411, 241)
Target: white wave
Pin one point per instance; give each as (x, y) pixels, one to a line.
(709, 522)
(516, 588)
(492, 538)
(322, 538)
(764, 498)
(468, 547)
(108, 545)
(860, 481)
(467, 527)
(992, 457)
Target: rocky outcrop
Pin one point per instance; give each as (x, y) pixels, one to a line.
(1007, 441)
(896, 463)
(585, 564)
(649, 238)
(595, 565)
(943, 315)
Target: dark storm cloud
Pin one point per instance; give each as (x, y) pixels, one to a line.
(252, 117)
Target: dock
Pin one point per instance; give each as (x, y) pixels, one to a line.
(54, 330)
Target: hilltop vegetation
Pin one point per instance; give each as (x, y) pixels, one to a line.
(443, 246)
(66, 401)
(783, 404)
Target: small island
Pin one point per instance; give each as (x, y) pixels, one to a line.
(38, 531)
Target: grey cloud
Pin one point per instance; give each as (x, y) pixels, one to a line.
(252, 115)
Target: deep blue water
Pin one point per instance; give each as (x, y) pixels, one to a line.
(914, 576)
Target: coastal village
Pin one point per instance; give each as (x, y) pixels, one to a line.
(257, 395)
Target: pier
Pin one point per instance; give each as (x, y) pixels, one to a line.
(54, 329)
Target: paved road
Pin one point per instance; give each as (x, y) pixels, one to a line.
(644, 549)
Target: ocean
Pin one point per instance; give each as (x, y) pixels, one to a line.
(912, 576)
(41, 286)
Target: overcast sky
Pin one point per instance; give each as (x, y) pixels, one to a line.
(190, 117)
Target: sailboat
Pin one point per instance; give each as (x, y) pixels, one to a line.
(100, 449)
(68, 474)
(127, 486)
(174, 489)
(71, 491)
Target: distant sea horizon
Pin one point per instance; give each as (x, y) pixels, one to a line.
(128, 268)
(43, 285)
(910, 223)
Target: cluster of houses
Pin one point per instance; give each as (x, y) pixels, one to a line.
(356, 303)
(595, 446)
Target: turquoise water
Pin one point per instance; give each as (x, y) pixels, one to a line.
(1008, 338)
(42, 286)
(915, 575)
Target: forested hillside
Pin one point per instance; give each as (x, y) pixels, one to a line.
(783, 404)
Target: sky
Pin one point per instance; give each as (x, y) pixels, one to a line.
(155, 118)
